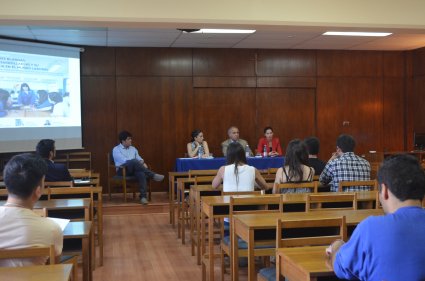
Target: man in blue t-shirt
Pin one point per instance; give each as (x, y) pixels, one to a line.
(389, 247)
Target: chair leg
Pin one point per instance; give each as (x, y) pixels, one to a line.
(124, 187)
(149, 191)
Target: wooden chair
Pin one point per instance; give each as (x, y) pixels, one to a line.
(372, 184)
(250, 205)
(32, 252)
(290, 185)
(318, 201)
(378, 202)
(313, 232)
(196, 173)
(82, 158)
(95, 196)
(54, 184)
(124, 181)
(80, 173)
(272, 171)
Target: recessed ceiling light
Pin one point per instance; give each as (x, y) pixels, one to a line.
(355, 33)
(224, 31)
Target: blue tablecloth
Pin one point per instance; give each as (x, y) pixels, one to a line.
(186, 164)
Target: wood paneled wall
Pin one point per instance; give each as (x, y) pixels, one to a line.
(162, 94)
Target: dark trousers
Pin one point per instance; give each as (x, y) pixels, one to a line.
(136, 169)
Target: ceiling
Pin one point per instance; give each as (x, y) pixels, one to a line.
(266, 37)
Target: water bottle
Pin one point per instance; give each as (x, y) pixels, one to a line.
(200, 152)
(265, 151)
(247, 151)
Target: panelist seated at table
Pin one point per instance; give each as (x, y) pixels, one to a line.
(296, 169)
(20, 227)
(237, 175)
(56, 171)
(26, 95)
(233, 133)
(198, 146)
(269, 143)
(392, 246)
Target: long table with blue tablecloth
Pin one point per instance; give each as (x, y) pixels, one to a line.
(186, 164)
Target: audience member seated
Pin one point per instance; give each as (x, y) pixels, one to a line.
(313, 145)
(237, 175)
(344, 165)
(126, 155)
(198, 146)
(26, 95)
(392, 246)
(56, 171)
(272, 144)
(296, 169)
(20, 227)
(233, 133)
(5, 102)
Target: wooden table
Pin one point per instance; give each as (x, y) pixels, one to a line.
(55, 272)
(248, 227)
(82, 230)
(303, 263)
(172, 176)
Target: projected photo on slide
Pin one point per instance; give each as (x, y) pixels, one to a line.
(36, 91)
(40, 95)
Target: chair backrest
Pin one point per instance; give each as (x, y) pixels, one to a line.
(204, 180)
(53, 184)
(316, 177)
(80, 157)
(80, 173)
(33, 252)
(255, 202)
(369, 184)
(311, 185)
(311, 232)
(319, 201)
(194, 173)
(272, 171)
(256, 192)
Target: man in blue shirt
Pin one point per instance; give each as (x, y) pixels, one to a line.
(127, 155)
(389, 247)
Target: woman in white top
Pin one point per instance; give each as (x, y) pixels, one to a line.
(197, 144)
(237, 175)
(296, 168)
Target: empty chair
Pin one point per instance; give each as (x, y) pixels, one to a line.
(357, 185)
(312, 232)
(328, 201)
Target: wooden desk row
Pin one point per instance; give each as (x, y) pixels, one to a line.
(57, 272)
(245, 226)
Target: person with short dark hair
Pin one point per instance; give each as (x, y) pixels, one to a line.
(313, 145)
(271, 143)
(126, 155)
(56, 171)
(236, 175)
(233, 133)
(344, 165)
(20, 227)
(197, 145)
(389, 247)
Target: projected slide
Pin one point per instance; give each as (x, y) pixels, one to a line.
(40, 95)
(37, 90)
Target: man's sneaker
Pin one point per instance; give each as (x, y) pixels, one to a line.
(158, 177)
(144, 201)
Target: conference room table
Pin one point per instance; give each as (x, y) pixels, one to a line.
(252, 228)
(56, 272)
(303, 263)
(261, 163)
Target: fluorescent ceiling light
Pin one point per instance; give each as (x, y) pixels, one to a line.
(224, 31)
(341, 33)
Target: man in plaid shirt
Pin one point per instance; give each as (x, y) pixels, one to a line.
(344, 165)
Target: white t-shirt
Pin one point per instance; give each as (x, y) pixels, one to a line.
(246, 175)
(22, 228)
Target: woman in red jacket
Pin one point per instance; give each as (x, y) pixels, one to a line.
(272, 144)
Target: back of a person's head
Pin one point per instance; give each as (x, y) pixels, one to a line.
(313, 145)
(346, 143)
(56, 97)
(44, 147)
(235, 154)
(296, 153)
(23, 173)
(123, 135)
(404, 177)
